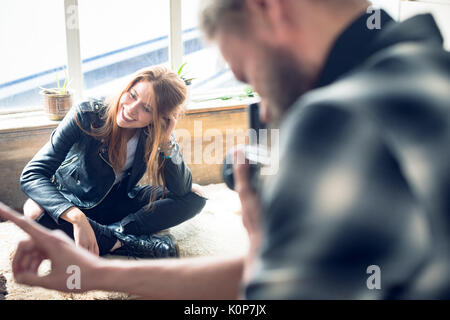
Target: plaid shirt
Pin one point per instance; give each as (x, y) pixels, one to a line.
(360, 207)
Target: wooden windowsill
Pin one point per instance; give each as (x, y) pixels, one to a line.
(37, 120)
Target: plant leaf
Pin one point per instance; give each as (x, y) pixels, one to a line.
(181, 68)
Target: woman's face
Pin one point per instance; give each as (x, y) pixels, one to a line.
(136, 106)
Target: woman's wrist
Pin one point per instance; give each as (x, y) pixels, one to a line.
(74, 216)
(167, 147)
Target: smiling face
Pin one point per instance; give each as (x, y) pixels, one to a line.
(136, 106)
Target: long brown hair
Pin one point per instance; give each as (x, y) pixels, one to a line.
(170, 93)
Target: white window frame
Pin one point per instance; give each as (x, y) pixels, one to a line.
(175, 35)
(73, 47)
(73, 50)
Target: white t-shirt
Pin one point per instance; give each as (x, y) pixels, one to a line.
(131, 151)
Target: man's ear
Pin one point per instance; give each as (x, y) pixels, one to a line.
(269, 16)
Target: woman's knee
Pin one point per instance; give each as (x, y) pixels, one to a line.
(196, 198)
(196, 188)
(32, 210)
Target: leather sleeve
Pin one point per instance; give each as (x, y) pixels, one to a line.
(177, 174)
(35, 180)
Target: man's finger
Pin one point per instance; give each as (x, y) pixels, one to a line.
(27, 225)
(36, 262)
(24, 249)
(31, 279)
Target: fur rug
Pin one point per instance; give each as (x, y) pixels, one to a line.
(217, 230)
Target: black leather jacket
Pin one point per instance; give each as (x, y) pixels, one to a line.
(72, 169)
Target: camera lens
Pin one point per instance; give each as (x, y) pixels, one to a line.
(255, 155)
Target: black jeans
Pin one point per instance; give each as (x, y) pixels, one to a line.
(134, 214)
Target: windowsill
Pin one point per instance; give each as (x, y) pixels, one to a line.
(31, 120)
(25, 121)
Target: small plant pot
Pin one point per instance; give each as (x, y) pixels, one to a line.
(56, 105)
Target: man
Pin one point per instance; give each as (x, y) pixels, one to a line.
(360, 206)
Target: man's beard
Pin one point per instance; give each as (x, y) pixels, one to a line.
(289, 80)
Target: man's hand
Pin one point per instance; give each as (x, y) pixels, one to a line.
(250, 202)
(53, 245)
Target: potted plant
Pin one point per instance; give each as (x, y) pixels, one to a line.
(57, 101)
(187, 81)
(248, 93)
(182, 75)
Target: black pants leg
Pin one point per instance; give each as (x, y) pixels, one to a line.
(162, 214)
(134, 214)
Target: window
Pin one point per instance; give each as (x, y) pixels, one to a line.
(212, 76)
(112, 39)
(32, 38)
(118, 38)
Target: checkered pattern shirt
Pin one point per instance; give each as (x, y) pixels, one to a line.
(360, 207)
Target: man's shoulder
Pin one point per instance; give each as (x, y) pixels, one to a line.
(403, 78)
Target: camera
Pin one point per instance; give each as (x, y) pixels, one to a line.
(256, 154)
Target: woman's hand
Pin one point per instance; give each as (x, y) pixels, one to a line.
(83, 233)
(171, 124)
(84, 236)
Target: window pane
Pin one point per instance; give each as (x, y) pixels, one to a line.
(212, 76)
(32, 38)
(120, 37)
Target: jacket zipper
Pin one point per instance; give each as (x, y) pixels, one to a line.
(69, 161)
(111, 185)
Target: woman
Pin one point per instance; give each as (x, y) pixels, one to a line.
(84, 180)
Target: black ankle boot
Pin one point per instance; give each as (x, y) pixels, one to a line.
(115, 227)
(154, 246)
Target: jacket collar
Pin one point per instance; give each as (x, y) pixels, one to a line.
(358, 42)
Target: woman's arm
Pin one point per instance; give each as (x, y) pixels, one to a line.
(177, 174)
(35, 178)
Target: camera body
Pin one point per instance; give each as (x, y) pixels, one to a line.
(254, 153)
